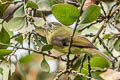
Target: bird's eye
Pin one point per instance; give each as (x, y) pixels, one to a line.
(50, 25)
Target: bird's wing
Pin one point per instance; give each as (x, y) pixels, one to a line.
(78, 41)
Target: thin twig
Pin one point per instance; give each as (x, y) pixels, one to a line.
(29, 36)
(69, 50)
(113, 64)
(34, 51)
(82, 75)
(60, 74)
(103, 9)
(73, 3)
(99, 70)
(89, 67)
(110, 12)
(100, 30)
(82, 62)
(88, 26)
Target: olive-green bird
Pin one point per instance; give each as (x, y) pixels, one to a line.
(59, 36)
(107, 0)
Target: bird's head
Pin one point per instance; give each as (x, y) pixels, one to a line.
(50, 27)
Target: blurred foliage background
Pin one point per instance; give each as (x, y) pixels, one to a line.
(25, 54)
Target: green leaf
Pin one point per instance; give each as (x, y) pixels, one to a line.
(66, 14)
(16, 23)
(44, 5)
(5, 25)
(99, 62)
(32, 5)
(4, 38)
(106, 36)
(95, 63)
(20, 12)
(47, 47)
(45, 66)
(19, 38)
(4, 52)
(90, 14)
(117, 45)
(38, 21)
(25, 59)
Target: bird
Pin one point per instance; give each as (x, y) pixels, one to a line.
(59, 36)
(108, 0)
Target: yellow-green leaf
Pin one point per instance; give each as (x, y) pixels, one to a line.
(32, 5)
(4, 52)
(20, 12)
(4, 38)
(90, 14)
(45, 66)
(65, 13)
(16, 23)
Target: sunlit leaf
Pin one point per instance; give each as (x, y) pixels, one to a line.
(95, 63)
(20, 12)
(16, 23)
(19, 39)
(44, 5)
(38, 21)
(25, 59)
(66, 14)
(4, 52)
(32, 5)
(47, 47)
(5, 25)
(99, 62)
(45, 66)
(90, 14)
(117, 45)
(106, 36)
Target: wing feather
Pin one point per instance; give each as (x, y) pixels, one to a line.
(78, 41)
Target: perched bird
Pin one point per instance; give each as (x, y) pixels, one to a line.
(106, 0)
(59, 36)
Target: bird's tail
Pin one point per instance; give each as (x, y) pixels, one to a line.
(104, 55)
